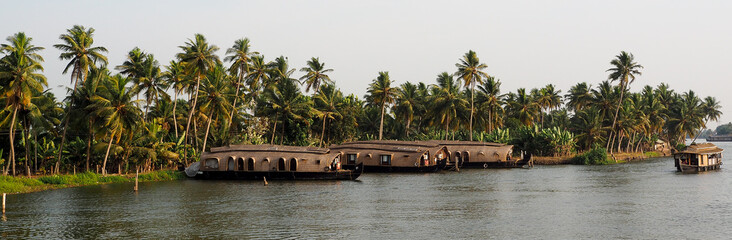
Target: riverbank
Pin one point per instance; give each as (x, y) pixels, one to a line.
(15, 185)
(614, 158)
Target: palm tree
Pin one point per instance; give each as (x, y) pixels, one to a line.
(258, 74)
(239, 55)
(118, 110)
(214, 99)
(19, 68)
(588, 123)
(198, 57)
(279, 71)
(624, 70)
(83, 101)
(285, 102)
(176, 78)
(315, 74)
(522, 106)
(579, 97)
(325, 105)
(446, 102)
(490, 100)
(77, 48)
(470, 70)
(710, 108)
(150, 82)
(133, 67)
(380, 93)
(407, 103)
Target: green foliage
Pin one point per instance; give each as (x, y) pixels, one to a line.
(544, 142)
(724, 129)
(596, 156)
(161, 176)
(497, 136)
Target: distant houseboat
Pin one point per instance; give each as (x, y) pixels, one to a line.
(723, 138)
(271, 161)
(469, 154)
(698, 158)
(393, 156)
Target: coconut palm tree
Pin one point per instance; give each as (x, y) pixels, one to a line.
(240, 56)
(258, 75)
(151, 83)
(19, 69)
(77, 48)
(175, 77)
(214, 99)
(710, 109)
(133, 67)
(470, 70)
(279, 71)
(407, 103)
(117, 109)
(325, 103)
(624, 70)
(285, 102)
(315, 74)
(490, 100)
(522, 106)
(82, 99)
(445, 102)
(380, 93)
(579, 97)
(199, 56)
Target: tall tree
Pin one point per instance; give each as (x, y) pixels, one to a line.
(175, 77)
(199, 56)
(325, 103)
(445, 102)
(579, 97)
(315, 74)
(380, 93)
(624, 70)
(470, 70)
(118, 110)
(491, 100)
(151, 84)
(77, 48)
(214, 99)
(21, 80)
(240, 56)
(407, 103)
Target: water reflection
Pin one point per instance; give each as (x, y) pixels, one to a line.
(636, 200)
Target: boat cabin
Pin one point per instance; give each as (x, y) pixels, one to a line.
(698, 158)
(271, 161)
(471, 154)
(393, 156)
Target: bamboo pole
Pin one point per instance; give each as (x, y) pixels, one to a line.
(4, 194)
(137, 173)
(265, 183)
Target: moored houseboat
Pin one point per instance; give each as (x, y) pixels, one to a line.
(470, 154)
(393, 156)
(273, 162)
(698, 158)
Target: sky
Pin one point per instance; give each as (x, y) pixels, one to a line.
(526, 44)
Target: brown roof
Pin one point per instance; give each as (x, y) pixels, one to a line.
(466, 143)
(388, 145)
(702, 148)
(269, 147)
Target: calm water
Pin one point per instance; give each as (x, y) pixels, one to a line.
(637, 200)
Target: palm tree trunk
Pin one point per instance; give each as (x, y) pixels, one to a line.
(208, 126)
(274, 129)
(175, 122)
(323, 132)
(447, 128)
(620, 139)
(472, 107)
(12, 138)
(68, 111)
(233, 106)
(193, 109)
(106, 155)
(409, 122)
(620, 102)
(490, 120)
(35, 152)
(88, 143)
(381, 124)
(27, 146)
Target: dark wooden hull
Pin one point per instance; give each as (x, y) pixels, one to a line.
(506, 164)
(283, 175)
(695, 169)
(386, 169)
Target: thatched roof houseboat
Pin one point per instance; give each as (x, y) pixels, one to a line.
(698, 158)
(469, 154)
(272, 162)
(393, 156)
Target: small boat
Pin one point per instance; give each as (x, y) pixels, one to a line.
(255, 162)
(698, 158)
(393, 156)
(471, 154)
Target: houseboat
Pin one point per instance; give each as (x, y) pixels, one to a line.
(470, 154)
(698, 158)
(273, 162)
(393, 156)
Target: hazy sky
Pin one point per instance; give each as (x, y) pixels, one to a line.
(524, 43)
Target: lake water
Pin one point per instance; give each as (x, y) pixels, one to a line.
(635, 200)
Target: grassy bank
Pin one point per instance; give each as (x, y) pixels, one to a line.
(618, 158)
(9, 184)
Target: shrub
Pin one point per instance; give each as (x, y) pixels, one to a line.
(596, 156)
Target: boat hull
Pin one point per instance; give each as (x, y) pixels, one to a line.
(282, 175)
(506, 164)
(386, 169)
(695, 169)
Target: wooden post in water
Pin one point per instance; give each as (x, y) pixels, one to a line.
(4, 203)
(137, 173)
(265, 182)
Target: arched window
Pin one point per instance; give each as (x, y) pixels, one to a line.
(466, 156)
(231, 164)
(240, 164)
(281, 164)
(212, 163)
(250, 164)
(293, 165)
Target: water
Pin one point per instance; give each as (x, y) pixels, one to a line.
(636, 200)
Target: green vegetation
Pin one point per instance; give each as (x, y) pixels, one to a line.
(724, 129)
(596, 156)
(9, 184)
(121, 116)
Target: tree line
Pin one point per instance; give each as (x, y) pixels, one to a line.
(121, 116)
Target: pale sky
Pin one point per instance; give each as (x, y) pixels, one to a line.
(528, 44)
